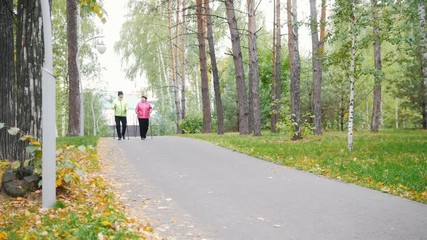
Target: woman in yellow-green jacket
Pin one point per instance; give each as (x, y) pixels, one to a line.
(120, 107)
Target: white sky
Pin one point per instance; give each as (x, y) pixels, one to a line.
(113, 74)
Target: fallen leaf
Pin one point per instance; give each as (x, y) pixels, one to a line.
(107, 224)
(3, 236)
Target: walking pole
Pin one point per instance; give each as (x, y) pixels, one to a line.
(127, 129)
(114, 131)
(151, 130)
(135, 132)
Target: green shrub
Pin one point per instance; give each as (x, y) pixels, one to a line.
(192, 124)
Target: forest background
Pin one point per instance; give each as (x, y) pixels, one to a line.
(367, 72)
(367, 69)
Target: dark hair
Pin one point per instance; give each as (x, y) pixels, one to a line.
(144, 97)
(120, 93)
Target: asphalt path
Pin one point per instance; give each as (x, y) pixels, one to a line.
(191, 189)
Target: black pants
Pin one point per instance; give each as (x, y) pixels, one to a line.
(119, 120)
(143, 127)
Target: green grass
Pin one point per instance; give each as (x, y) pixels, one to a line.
(390, 161)
(77, 141)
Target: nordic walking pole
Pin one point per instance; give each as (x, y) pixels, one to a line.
(114, 131)
(127, 129)
(151, 130)
(136, 126)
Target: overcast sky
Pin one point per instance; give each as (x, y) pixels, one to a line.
(116, 10)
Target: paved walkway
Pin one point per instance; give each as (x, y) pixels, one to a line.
(191, 189)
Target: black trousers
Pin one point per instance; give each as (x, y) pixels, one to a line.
(143, 126)
(123, 121)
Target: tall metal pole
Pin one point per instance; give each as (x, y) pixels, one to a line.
(48, 113)
(82, 112)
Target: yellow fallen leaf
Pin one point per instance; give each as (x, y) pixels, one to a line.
(148, 229)
(36, 143)
(58, 182)
(107, 224)
(20, 199)
(3, 236)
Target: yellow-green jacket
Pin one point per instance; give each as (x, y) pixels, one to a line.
(120, 107)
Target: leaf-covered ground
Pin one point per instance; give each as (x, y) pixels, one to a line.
(86, 208)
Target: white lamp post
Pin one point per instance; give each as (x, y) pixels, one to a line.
(48, 113)
(101, 49)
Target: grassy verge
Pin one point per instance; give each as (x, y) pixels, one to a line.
(394, 162)
(86, 208)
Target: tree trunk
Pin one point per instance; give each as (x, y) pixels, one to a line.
(278, 61)
(295, 67)
(352, 72)
(273, 71)
(183, 58)
(342, 111)
(238, 68)
(7, 81)
(203, 68)
(423, 30)
(322, 27)
(317, 70)
(253, 69)
(173, 67)
(73, 74)
(162, 69)
(376, 109)
(216, 83)
(276, 88)
(29, 62)
(178, 76)
(250, 101)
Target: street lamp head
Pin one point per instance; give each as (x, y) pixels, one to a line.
(101, 47)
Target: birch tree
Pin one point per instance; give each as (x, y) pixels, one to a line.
(352, 76)
(7, 80)
(295, 67)
(176, 55)
(238, 68)
(29, 62)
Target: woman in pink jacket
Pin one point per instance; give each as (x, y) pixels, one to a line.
(143, 110)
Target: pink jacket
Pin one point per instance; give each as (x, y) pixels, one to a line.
(143, 109)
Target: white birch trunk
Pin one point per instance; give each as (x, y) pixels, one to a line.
(352, 66)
